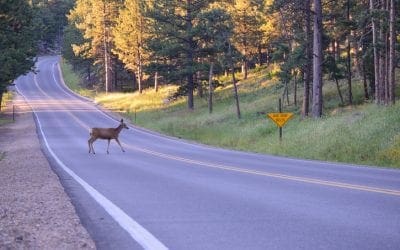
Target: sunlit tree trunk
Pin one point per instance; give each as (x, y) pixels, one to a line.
(139, 69)
(107, 60)
(156, 81)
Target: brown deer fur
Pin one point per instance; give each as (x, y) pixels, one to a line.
(106, 134)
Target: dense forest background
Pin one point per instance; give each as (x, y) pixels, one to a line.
(27, 29)
(130, 45)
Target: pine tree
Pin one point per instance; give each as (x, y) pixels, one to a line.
(247, 17)
(130, 34)
(175, 41)
(17, 41)
(49, 21)
(293, 47)
(77, 56)
(96, 19)
(383, 17)
(216, 29)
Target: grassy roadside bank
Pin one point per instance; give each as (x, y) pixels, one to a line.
(4, 119)
(362, 134)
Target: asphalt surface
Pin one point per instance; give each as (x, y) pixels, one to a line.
(169, 193)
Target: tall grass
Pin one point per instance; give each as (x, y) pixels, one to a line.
(362, 134)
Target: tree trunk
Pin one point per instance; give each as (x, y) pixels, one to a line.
(107, 60)
(89, 74)
(190, 55)
(307, 70)
(140, 53)
(364, 75)
(235, 91)
(377, 56)
(1, 96)
(106, 65)
(244, 63)
(339, 91)
(190, 92)
(139, 81)
(295, 90)
(349, 75)
(376, 52)
(317, 60)
(286, 93)
(259, 57)
(200, 91)
(156, 81)
(382, 62)
(114, 78)
(140, 70)
(210, 89)
(392, 53)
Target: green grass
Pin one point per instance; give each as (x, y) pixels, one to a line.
(362, 134)
(3, 118)
(73, 81)
(131, 102)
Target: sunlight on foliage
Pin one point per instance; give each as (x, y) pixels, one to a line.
(131, 102)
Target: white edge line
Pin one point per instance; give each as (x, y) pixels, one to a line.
(135, 230)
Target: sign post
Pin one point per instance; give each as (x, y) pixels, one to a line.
(280, 111)
(280, 118)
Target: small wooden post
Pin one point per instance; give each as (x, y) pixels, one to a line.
(13, 111)
(280, 111)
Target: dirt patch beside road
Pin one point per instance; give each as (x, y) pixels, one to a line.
(35, 212)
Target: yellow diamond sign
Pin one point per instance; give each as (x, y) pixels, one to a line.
(280, 118)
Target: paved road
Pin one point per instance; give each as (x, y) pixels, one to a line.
(168, 193)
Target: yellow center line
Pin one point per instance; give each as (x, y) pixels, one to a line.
(54, 102)
(268, 174)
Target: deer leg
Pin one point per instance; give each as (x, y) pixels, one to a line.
(108, 144)
(120, 144)
(90, 142)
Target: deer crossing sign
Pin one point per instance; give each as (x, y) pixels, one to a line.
(280, 119)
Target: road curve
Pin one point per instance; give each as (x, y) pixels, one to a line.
(168, 193)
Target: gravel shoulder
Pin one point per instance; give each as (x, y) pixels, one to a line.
(35, 211)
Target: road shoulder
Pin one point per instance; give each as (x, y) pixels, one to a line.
(35, 211)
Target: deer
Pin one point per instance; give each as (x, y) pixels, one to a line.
(106, 134)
